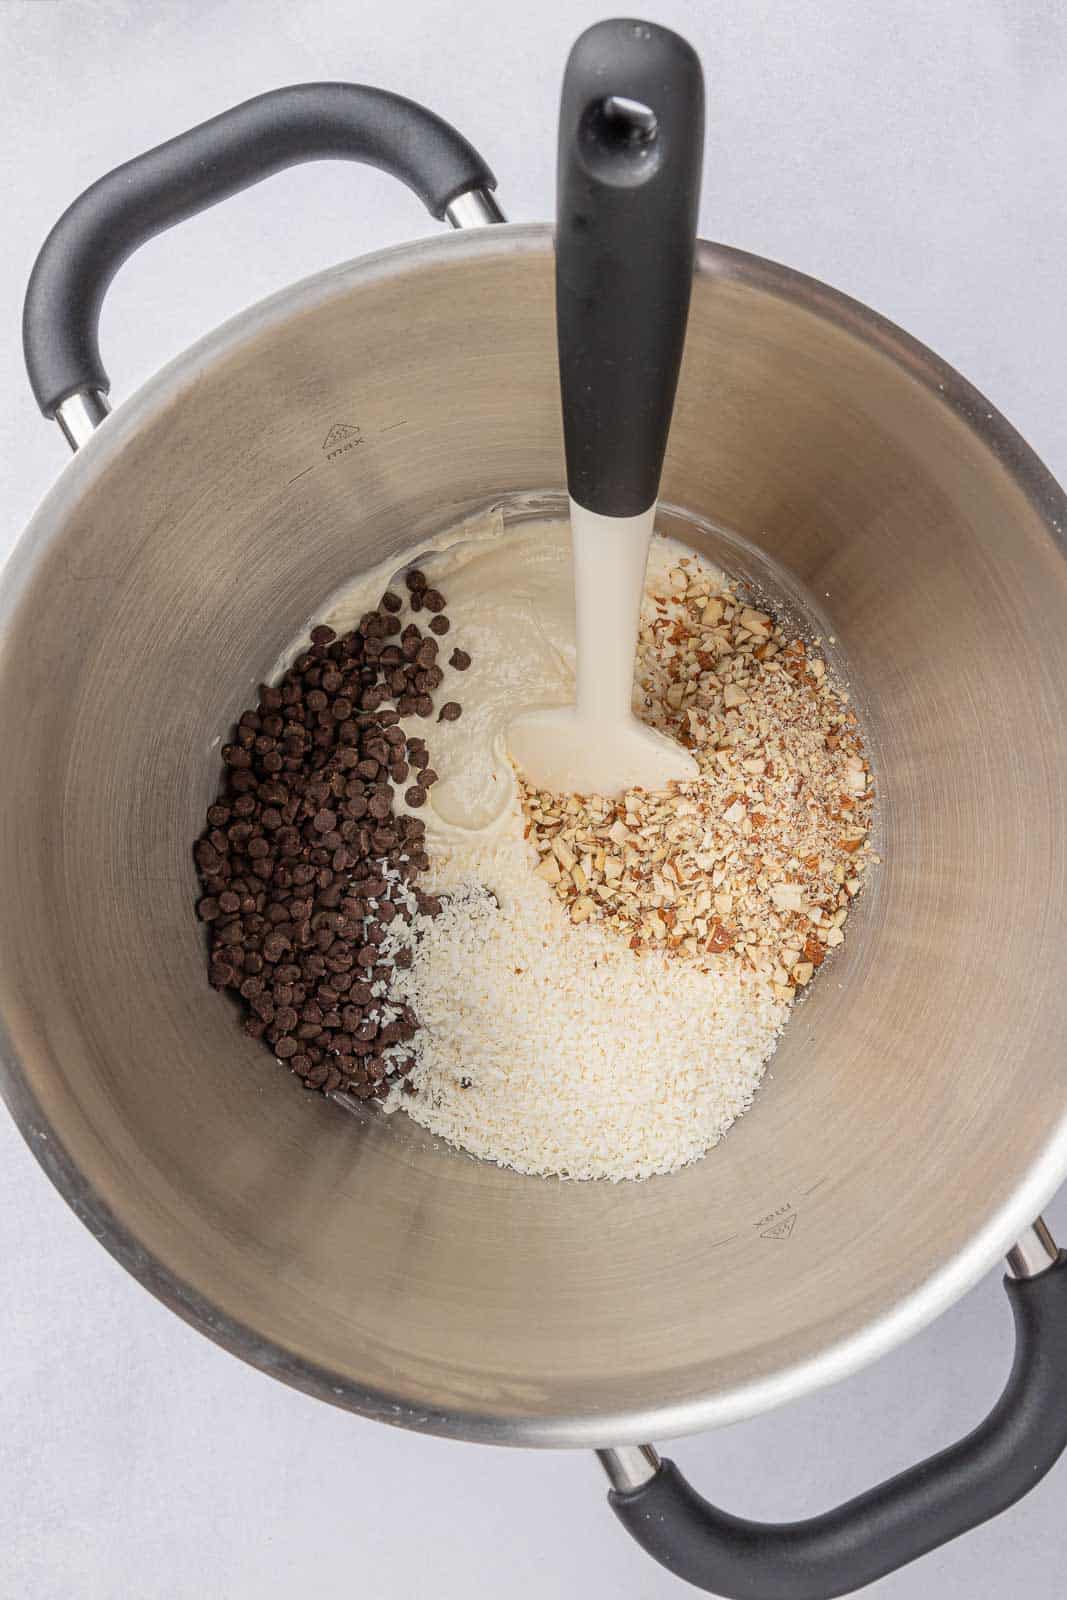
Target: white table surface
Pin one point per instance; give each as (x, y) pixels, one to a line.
(911, 154)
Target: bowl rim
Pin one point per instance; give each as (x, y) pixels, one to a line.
(632, 1425)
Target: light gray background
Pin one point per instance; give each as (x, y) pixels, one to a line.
(911, 154)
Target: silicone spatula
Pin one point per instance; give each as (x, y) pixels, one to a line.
(631, 142)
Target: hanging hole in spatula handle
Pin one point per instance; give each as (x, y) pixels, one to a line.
(631, 143)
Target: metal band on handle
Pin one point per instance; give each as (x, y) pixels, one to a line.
(79, 415)
(1033, 1252)
(628, 1466)
(476, 208)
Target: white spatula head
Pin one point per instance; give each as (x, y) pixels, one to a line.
(561, 750)
(597, 746)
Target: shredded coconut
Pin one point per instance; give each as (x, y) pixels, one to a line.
(554, 1049)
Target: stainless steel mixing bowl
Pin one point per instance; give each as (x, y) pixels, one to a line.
(914, 1120)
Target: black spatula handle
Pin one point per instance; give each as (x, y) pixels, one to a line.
(631, 142)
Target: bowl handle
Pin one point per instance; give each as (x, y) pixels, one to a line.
(105, 224)
(902, 1519)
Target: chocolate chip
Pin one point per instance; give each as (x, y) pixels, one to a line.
(415, 580)
(451, 711)
(415, 796)
(460, 660)
(292, 858)
(433, 600)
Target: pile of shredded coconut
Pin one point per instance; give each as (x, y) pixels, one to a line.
(552, 1048)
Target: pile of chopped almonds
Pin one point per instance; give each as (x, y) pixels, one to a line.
(756, 861)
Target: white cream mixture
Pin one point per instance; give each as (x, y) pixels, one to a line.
(510, 600)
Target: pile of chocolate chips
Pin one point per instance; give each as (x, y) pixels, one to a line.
(303, 863)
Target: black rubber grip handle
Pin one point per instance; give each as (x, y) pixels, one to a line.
(911, 1514)
(631, 143)
(306, 122)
